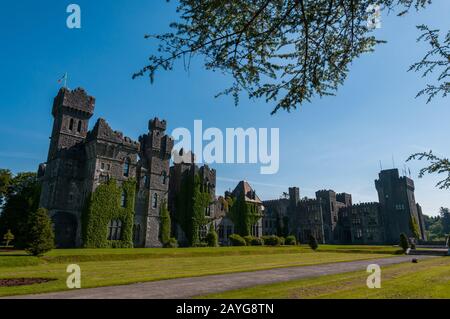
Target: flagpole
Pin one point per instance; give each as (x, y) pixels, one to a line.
(65, 80)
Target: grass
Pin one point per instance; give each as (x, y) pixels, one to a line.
(106, 267)
(427, 279)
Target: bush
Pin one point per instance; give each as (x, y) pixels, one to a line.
(172, 243)
(282, 240)
(313, 242)
(404, 244)
(237, 240)
(272, 240)
(256, 241)
(8, 237)
(290, 240)
(211, 238)
(248, 240)
(41, 238)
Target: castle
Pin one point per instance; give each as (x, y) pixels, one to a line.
(80, 161)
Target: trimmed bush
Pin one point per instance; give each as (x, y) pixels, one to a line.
(257, 241)
(41, 238)
(248, 240)
(172, 243)
(8, 237)
(290, 240)
(404, 244)
(272, 240)
(212, 238)
(313, 243)
(237, 240)
(282, 240)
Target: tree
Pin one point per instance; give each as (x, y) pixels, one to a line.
(5, 182)
(404, 244)
(41, 236)
(313, 242)
(436, 59)
(8, 237)
(20, 200)
(165, 224)
(445, 220)
(286, 51)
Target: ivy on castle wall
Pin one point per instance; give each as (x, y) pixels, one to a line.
(105, 205)
(243, 215)
(191, 203)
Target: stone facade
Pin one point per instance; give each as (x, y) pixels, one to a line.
(79, 160)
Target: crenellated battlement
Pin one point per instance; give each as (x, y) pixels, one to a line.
(77, 100)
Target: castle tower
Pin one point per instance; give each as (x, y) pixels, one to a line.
(71, 112)
(294, 196)
(156, 149)
(396, 196)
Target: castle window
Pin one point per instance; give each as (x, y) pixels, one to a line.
(137, 233)
(71, 124)
(103, 166)
(164, 177)
(79, 127)
(146, 181)
(155, 200)
(126, 168)
(115, 229)
(123, 199)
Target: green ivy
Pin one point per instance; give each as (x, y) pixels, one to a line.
(103, 206)
(165, 224)
(191, 202)
(243, 215)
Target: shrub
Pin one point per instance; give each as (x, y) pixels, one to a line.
(248, 240)
(41, 238)
(272, 240)
(237, 240)
(404, 244)
(257, 241)
(172, 243)
(211, 238)
(313, 242)
(291, 240)
(282, 240)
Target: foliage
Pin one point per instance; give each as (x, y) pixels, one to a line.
(438, 57)
(237, 240)
(244, 215)
(414, 227)
(286, 51)
(212, 238)
(191, 203)
(272, 240)
(313, 242)
(8, 237)
(5, 180)
(172, 243)
(103, 206)
(41, 238)
(291, 240)
(248, 239)
(404, 243)
(21, 194)
(165, 223)
(438, 227)
(257, 241)
(437, 165)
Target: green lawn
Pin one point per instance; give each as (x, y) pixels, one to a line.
(105, 267)
(427, 279)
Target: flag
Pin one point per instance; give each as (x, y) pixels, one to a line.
(63, 78)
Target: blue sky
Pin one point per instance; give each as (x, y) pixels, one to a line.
(334, 142)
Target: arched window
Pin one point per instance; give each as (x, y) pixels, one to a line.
(146, 181)
(126, 168)
(164, 177)
(71, 124)
(79, 127)
(155, 200)
(115, 229)
(123, 199)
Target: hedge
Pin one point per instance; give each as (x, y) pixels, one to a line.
(237, 240)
